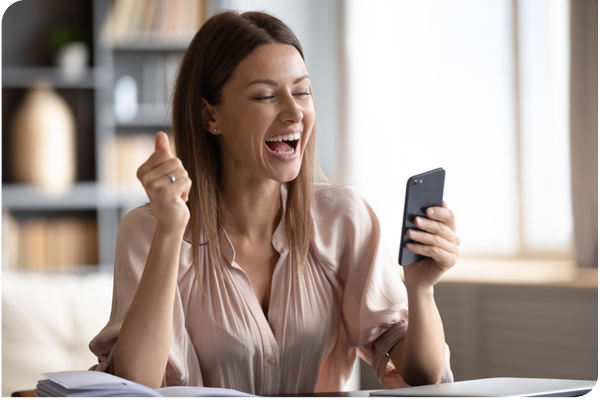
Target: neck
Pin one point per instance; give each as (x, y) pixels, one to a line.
(253, 206)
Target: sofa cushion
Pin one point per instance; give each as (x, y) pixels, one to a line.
(47, 323)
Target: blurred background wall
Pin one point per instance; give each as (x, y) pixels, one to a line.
(502, 94)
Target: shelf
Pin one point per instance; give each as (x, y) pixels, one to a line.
(146, 120)
(148, 115)
(17, 77)
(81, 196)
(149, 47)
(72, 270)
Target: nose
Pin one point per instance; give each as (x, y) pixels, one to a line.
(290, 110)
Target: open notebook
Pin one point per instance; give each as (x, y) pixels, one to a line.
(496, 387)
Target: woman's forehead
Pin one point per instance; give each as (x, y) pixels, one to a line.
(277, 62)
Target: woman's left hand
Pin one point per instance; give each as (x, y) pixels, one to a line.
(437, 239)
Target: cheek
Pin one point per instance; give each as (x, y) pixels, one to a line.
(310, 116)
(254, 120)
(238, 128)
(309, 122)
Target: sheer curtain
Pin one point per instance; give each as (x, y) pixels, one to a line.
(479, 88)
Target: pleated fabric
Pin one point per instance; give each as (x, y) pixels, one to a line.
(349, 298)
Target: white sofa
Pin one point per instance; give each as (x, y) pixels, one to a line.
(47, 323)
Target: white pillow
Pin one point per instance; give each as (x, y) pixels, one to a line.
(48, 321)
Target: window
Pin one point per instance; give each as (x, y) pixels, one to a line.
(479, 88)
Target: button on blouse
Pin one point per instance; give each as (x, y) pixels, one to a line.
(349, 298)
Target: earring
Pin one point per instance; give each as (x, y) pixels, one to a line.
(215, 130)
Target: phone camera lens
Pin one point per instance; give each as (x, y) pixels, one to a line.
(415, 182)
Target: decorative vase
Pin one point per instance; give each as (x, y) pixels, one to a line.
(43, 140)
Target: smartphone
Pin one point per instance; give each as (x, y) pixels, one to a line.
(422, 191)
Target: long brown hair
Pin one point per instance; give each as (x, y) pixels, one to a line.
(218, 47)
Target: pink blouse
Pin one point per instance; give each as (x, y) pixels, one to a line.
(349, 298)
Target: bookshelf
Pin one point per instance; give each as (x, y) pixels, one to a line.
(142, 39)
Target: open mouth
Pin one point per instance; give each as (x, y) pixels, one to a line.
(283, 144)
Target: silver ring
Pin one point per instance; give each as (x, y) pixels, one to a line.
(171, 177)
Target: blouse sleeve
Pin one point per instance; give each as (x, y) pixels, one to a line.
(134, 238)
(374, 303)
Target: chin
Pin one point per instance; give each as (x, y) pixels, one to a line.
(286, 175)
(282, 170)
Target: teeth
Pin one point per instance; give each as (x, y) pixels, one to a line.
(287, 153)
(279, 138)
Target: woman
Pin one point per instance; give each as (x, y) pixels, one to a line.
(241, 272)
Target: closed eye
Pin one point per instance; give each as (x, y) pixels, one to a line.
(272, 97)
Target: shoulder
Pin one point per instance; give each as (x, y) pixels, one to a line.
(136, 228)
(346, 230)
(139, 219)
(142, 213)
(342, 204)
(134, 240)
(342, 219)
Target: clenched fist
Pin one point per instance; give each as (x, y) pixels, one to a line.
(167, 185)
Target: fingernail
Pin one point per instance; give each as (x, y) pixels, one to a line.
(417, 220)
(431, 211)
(410, 245)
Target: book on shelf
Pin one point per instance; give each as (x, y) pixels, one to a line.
(100, 384)
(40, 244)
(148, 21)
(122, 156)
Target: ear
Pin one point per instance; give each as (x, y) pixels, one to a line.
(209, 117)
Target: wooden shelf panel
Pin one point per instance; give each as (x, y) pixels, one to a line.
(81, 196)
(13, 77)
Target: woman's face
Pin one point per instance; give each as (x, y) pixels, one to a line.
(266, 114)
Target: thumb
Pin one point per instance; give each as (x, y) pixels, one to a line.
(162, 141)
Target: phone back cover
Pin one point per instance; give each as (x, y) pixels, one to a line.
(428, 193)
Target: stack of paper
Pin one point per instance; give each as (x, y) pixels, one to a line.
(100, 384)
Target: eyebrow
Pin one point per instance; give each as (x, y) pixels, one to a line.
(273, 83)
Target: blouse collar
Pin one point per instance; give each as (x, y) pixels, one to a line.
(279, 240)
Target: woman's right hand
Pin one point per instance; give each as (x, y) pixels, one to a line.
(167, 197)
